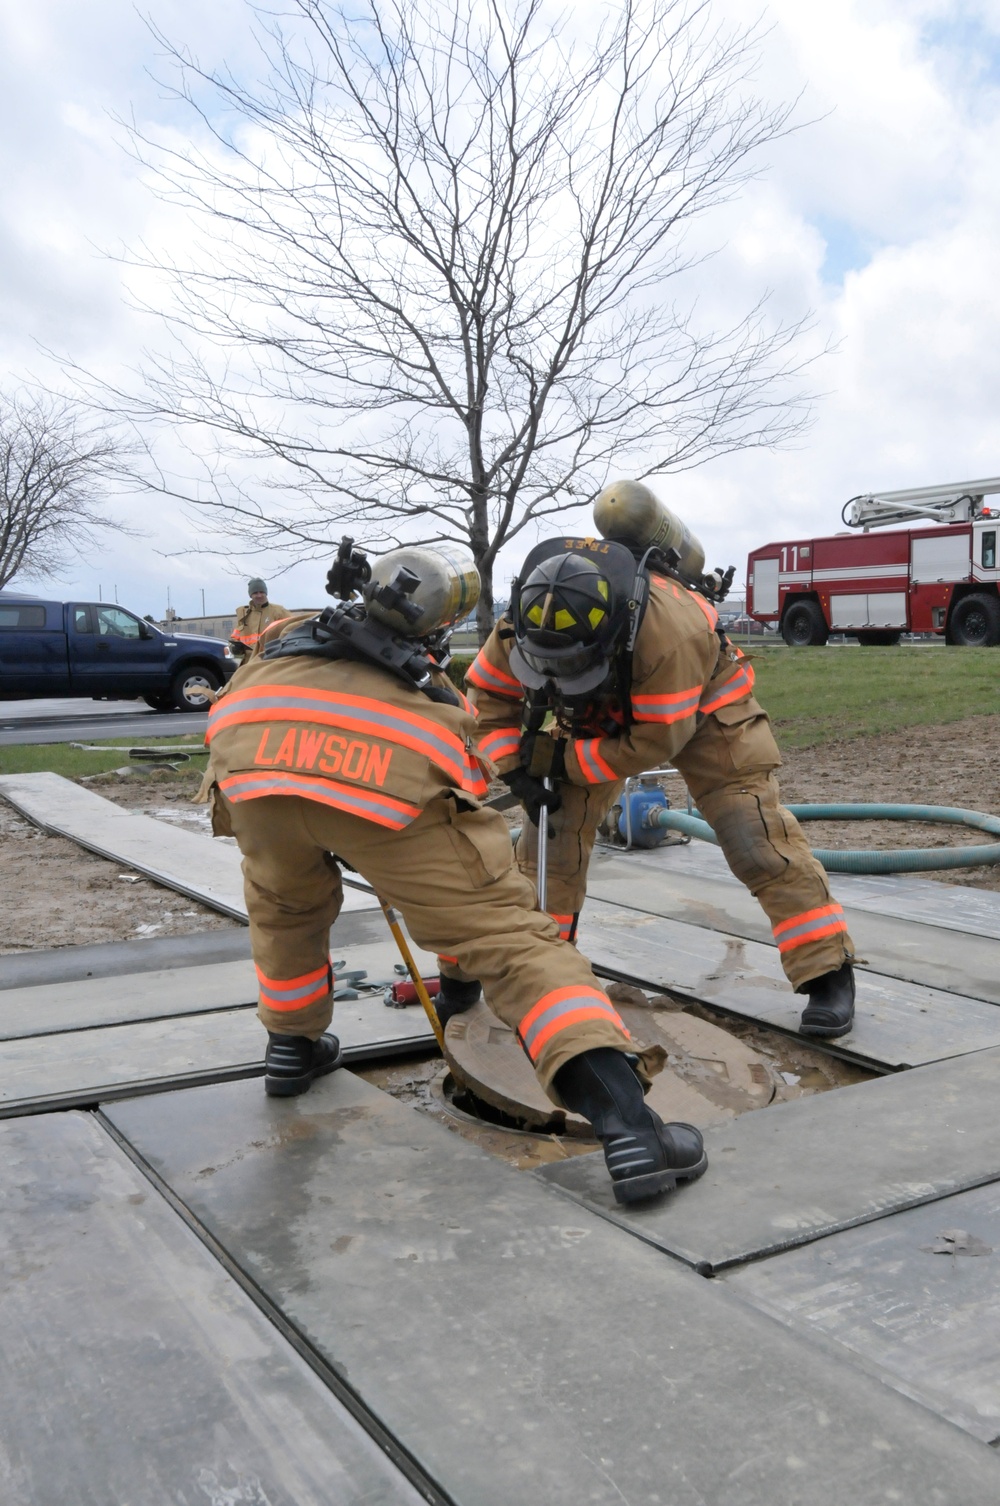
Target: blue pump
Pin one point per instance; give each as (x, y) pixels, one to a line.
(638, 823)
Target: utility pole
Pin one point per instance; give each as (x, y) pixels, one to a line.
(203, 601)
(99, 596)
(116, 595)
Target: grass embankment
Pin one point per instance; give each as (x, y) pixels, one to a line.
(817, 694)
(61, 758)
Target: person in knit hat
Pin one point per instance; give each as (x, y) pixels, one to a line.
(252, 619)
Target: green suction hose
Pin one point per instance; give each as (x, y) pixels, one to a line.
(892, 860)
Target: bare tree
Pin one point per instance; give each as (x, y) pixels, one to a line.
(445, 287)
(54, 466)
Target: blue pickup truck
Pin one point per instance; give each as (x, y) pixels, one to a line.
(87, 648)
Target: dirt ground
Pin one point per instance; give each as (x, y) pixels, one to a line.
(957, 764)
(56, 894)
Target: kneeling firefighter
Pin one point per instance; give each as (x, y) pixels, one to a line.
(344, 737)
(612, 662)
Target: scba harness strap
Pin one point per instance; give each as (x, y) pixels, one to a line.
(347, 632)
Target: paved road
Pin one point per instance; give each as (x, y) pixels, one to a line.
(84, 721)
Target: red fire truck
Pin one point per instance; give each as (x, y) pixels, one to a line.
(874, 587)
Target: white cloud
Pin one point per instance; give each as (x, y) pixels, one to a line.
(883, 216)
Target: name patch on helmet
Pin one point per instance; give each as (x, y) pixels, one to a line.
(328, 753)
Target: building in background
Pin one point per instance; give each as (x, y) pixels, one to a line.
(220, 626)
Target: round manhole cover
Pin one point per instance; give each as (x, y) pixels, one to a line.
(709, 1075)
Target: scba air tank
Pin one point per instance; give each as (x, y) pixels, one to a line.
(447, 592)
(630, 513)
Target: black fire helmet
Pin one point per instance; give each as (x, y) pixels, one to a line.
(569, 614)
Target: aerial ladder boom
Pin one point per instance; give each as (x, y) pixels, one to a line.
(958, 503)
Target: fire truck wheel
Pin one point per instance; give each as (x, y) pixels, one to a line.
(975, 622)
(803, 625)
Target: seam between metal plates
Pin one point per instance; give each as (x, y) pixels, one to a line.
(93, 1097)
(145, 1019)
(711, 1268)
(396, 1451)
(829, 1048)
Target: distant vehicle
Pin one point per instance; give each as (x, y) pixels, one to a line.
(742, 624)
(86, 648)
(941, 580)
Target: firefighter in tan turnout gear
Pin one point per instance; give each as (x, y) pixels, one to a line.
(630, 669)
(253, 619)
(343, 739)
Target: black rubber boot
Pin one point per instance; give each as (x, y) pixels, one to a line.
(292, 1061)
(830, 1011)
(643, 1155)
(455, 998)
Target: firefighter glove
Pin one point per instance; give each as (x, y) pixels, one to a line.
(532, 793)
(544, 757)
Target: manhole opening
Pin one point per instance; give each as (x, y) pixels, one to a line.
(526, 1130)
(462, 1102)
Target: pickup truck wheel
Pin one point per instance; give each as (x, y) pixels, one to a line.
(804, 626)
(975, 622)
(162, 702)
(188, 687)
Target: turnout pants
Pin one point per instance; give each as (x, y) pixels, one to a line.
(452, 876)
(728, 765)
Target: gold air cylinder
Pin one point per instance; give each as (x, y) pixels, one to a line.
(448, 589)
(630, 513)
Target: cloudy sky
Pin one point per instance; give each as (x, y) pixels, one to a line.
(882, 217)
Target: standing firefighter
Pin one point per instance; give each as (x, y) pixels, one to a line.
(343, 736)
(253, 619)
(626, 669)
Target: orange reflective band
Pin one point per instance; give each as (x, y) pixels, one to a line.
(665, 709)
(740, 685)
(562, 1009)
(566, 924)
(504, 743)
(384, 810)
(286, 983)
(486, 676)
(811, 925)
(239, 636)
(443, 957)
(295, 993)
(592, 765)
(708, 609)
(475, 783)
(350, 713)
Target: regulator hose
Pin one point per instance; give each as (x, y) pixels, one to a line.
(870, 860)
